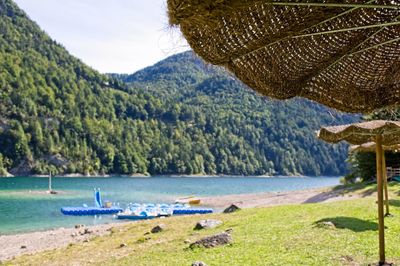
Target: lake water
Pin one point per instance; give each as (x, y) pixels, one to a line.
(23, 206)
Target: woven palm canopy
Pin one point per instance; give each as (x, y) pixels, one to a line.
(344, 54)
(360, 133)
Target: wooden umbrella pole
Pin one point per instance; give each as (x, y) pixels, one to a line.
(385, 182)
(379, 179)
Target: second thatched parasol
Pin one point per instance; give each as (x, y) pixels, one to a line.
(371, 147)
(381, 132)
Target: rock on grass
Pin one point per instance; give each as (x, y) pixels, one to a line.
(326, 224)
(213, 241)
(232, 208)
(198, 263)
(206, 224)
(159, 228)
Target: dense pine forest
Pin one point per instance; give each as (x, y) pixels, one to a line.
(179, 116)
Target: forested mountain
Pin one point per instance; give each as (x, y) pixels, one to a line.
(218, 118)
(176, 117)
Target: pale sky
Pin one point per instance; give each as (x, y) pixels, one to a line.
(119, 36)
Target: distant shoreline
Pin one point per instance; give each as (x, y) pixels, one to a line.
(171, 175)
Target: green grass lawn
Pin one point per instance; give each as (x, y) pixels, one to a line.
(282, 235)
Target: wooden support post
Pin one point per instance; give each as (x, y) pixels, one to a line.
(379, 179)
(385, 182)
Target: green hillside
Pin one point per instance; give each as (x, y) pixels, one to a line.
(230, 125)
(176, 117)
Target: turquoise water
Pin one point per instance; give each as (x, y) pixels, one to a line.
(24, 207)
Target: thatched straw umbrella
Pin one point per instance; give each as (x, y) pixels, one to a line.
(344, 54)
(382, 133)
(371, 147)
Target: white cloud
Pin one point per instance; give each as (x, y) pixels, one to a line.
(119, 36)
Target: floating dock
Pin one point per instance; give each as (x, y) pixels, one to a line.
(190, 210)
(79, 211)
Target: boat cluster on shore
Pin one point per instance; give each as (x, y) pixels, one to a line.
(138, 211)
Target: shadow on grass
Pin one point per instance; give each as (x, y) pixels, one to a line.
(354, 187)
(397, 192)
(354, 224)
(369, 192)
(342, 190)
(395, 203)
(323, 196)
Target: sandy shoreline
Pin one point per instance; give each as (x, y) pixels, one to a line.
(278, 198)
(29, 243)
